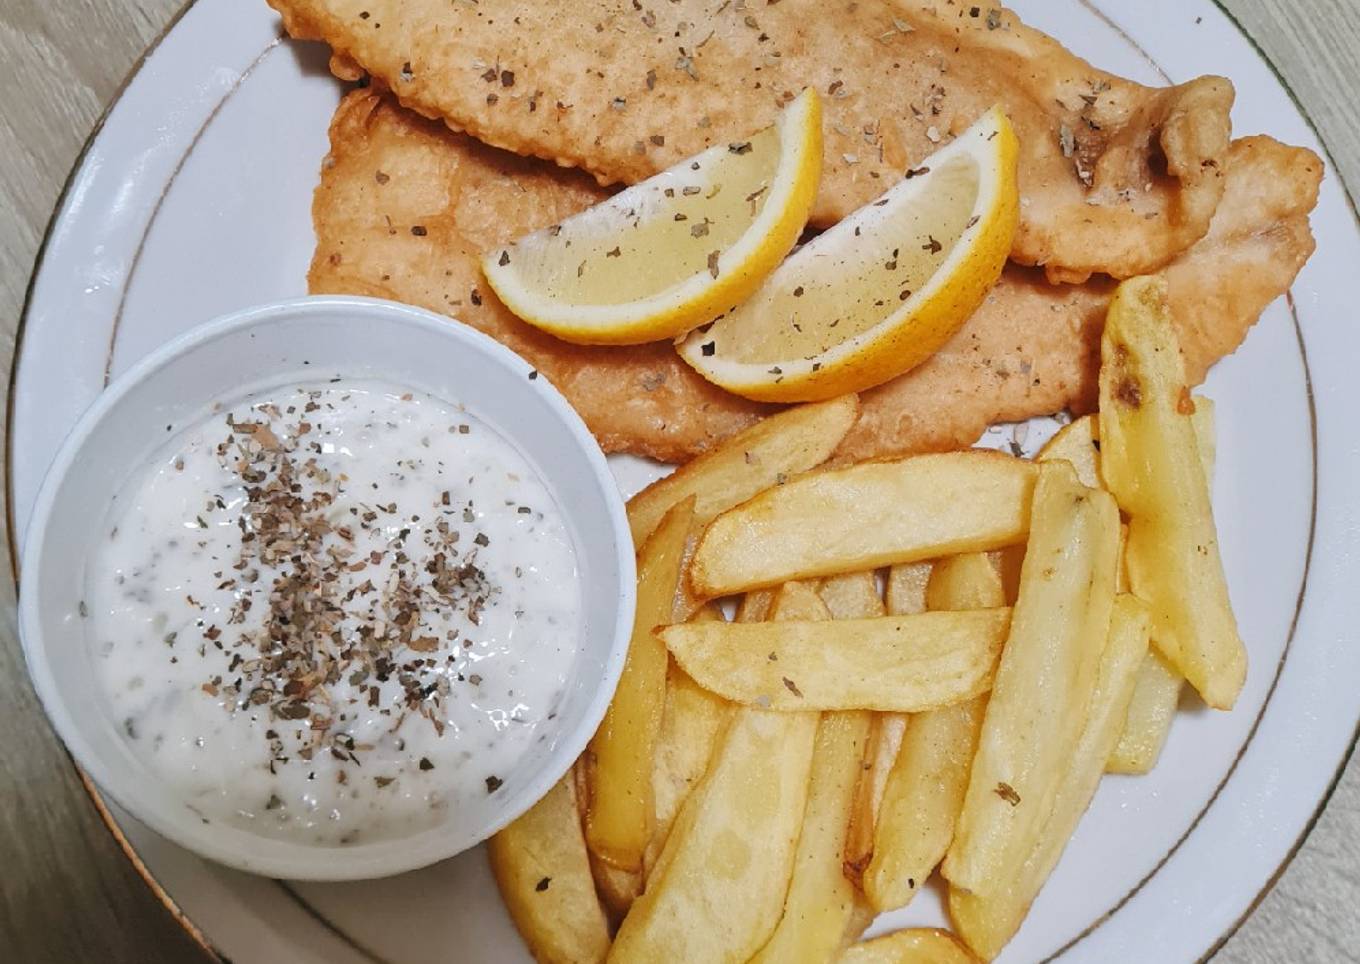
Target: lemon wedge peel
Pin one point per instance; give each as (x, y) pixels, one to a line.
(738, 270)
(925, 320)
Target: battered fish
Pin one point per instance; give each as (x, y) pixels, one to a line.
(405, 205)
(1115, 177)
(1034, 349)
(404, 208)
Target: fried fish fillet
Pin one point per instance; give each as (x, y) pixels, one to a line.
(404, 207)
(1034, 349)
(1115, 177)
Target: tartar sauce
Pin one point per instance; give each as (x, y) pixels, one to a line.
(330, 612)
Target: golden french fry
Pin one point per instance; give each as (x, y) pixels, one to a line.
(918, 945)
(1077, 442)
(1009, 562)
(866, 516)
(1156, 695)
(755, 606)
(717, 890)
(823, 911)
(899, 663)
(1150, 460)
(691, 726)
(925, 790)
(543, 873)
(987, 921)
(769, 452)
(906, 590)
(969, 581)
(1202, 420)
(687, 604)
(905, 594)
(855, 596)
(620, 816)
(1044, 681)
(885, 741)
(616, 888)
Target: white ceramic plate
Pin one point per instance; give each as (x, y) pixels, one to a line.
(193, 200)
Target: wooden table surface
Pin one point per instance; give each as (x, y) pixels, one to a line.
(66, 891)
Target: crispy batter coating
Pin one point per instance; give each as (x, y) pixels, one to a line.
(405, 206)
(1034, 349)
(1115, 177)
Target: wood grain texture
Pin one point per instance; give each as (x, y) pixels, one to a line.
(67, 893)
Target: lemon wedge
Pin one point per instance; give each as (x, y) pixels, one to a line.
(880, 292)
(674, 251)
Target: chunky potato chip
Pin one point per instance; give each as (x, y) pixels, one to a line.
(717, 890)
(543, 873)
(987, 921)
(691, 726)
(866, 516)
(620, 817)
(899, 663)
(925, 789)
(768, 453)
(1044, 682)
(1150, 460)
(823, 911)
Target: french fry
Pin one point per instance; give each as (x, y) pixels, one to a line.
(687, 605)
(1156, 696)
(823, 911)
(543, 872)
(905, 593)
(717, 890)
(1077, 442)
(1044, 682)
(1202, 421)
(691, 726)
(864, 517)
(1009, 562)
(617, 889)
(1157, 692)
(969, 581)
(987, 921)
(855, 596)
(918, 945)
(773, 450)
(925, 790)
(620, 817)
(902, 664)
(885, 741)
(1150, 460)
(755, 606)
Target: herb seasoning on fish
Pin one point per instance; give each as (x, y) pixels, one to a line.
(330, 613)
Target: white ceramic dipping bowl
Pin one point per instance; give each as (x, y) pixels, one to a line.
(314, 339)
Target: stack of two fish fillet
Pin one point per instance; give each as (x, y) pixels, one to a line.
(485, 119)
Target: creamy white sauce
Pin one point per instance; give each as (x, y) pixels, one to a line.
(352, 683)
